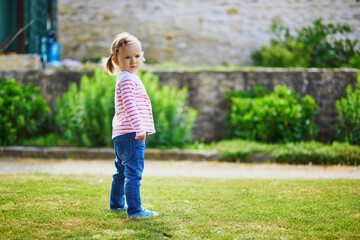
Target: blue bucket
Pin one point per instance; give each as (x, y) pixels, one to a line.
(54, 53)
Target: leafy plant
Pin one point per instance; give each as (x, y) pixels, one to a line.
(257, 92)
(174, 120)
(92, 60)
(23, 112)
(280, 116)
(355, 61)
(320, 45)
(84, 115)
(348, 111)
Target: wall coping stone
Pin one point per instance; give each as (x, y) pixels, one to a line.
(102, 153)
(71, 153)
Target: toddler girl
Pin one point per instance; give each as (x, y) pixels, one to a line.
(132, 122)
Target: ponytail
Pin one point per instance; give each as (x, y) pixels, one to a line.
(109, 65)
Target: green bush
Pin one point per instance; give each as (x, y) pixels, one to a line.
(174, 120)
(23, 112)
(84, 116)
(314, 46)
(280, 116)
(355, 61)
(348, 114)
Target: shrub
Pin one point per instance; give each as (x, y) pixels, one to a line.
(281, 116)
(84, 115)
(320, 45)
(355, 61)
(23, 112)
(347, 127)
(174, 120)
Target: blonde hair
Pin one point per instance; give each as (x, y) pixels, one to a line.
(120, 40)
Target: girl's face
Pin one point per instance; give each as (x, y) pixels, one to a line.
(130, 58)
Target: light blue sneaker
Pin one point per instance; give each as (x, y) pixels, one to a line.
(119, 209)
(146, 213)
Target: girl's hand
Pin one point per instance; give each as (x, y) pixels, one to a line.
(143, 137)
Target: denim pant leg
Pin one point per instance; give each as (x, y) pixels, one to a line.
(133, 169)
(117, 199)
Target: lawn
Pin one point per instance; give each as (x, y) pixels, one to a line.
(42, 206)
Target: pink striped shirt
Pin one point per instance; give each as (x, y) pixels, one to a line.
(133, 112)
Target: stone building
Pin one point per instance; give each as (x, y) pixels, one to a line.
(192, 32)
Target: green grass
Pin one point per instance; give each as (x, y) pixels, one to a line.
(75, 206)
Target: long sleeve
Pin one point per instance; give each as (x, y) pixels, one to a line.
(127, 97)
(133, 111)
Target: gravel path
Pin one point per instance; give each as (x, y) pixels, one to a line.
(181, 168)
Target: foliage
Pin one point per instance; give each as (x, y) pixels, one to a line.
(91, 60)
(320, 45)
(280, 116)
(84, 116)
(355, 61)
(238, 150)
(76, 207)
(23, 112)
(348, 111)
(49, 140)
(256, 92)
(174, 120)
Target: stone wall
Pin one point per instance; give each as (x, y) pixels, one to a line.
(207, 91)
(11, 62)
(192, 32)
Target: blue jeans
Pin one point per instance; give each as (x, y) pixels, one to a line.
(129, 164)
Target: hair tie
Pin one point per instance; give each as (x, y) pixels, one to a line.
(123, 43)
(111, 55)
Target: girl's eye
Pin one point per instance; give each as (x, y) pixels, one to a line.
(127, 57)
(137, 56)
